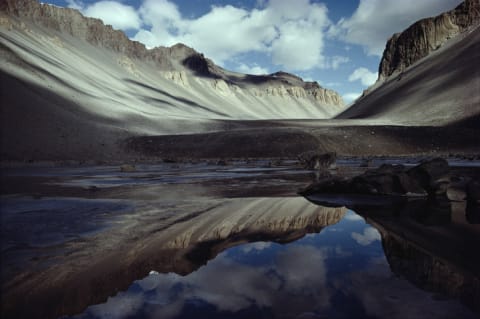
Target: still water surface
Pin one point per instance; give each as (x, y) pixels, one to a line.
(199, 241)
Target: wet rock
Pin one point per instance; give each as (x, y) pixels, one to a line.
(457, 189)
(455, 193)
(432, 175)
(317, 161)
(427, 179)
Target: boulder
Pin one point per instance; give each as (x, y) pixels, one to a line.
(317, 161)
(430, 178)
(432, 175)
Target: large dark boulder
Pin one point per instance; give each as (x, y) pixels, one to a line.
(387, 179)
(430, 178)
(432, 175)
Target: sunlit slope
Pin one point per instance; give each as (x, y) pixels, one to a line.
(113, 85)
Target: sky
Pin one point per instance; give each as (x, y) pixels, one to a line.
(337, 43)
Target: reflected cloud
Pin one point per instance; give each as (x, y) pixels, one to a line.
(369, 235)
(308, 278)
(353, 216)
(261, 245)
(294, 277)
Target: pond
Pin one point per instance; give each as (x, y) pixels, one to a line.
(236, 241)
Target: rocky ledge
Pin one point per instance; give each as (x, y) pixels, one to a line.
(396, 184)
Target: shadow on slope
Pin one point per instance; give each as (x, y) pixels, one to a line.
(441, 88)
(176, 98)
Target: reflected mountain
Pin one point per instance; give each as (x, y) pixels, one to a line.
(432, 243)
(170, 238)
(341, 272)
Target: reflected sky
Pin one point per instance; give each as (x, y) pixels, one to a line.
(340, 272)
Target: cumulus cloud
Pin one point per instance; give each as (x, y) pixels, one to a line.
(285, 30)
(375, 21)
(365, 76)
(337, 60)
(369, 235)
(117, 14)
(290, 33)
(351, 215)
(74, 4)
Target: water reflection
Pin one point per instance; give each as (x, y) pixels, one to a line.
(340, 272)
(432, 243)
(168, 237)
(232, 248)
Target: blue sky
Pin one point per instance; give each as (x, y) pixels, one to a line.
(336, 43)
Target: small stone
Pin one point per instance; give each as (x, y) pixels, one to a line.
(127, 168)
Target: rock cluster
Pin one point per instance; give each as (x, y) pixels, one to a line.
(428, 178)
(395, 184)
(424, 36)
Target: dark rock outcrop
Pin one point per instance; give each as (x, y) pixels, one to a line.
(427, 179)
(427, 35)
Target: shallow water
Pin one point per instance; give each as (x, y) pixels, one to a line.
(207, 241)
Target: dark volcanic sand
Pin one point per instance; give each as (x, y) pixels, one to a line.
(288, 142)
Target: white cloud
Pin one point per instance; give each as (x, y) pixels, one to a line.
(363, 75)
(336, 61)
(74, 4)
(375, 21)
(369, 235)
(254, 69)
(119, 15)
(290, 32)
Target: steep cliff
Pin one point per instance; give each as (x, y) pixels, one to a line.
(427, 35)
(429, 73)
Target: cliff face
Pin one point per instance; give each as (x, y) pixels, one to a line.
(420, 39)
(170, 59)
(440, 89)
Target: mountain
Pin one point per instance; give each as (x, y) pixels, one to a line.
(68, 79)
(75, 89)
(428, 74)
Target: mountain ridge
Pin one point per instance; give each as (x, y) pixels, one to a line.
(169, 59)
(428, 74)
(425, 36)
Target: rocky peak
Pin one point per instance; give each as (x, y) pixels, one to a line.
(427, 35)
